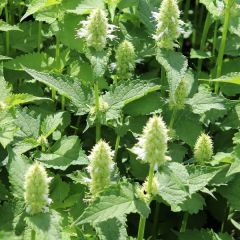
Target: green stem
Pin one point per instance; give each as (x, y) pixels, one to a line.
(156, 219)
(172, 118)
(33, 234)
(116, 147)
(215, 38)
(226, 212)
(98, 123)
(77, 125)
(195, 24)
(184, 222)
(203, 40)
(7, 33)
(39, 35)
(53, 94)
(142, 222)
(219, 63)
(163, 80)
(62, 103)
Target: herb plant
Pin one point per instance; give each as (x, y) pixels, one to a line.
(119, 119)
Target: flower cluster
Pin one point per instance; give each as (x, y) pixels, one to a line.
(125, 60)
(36, 189)
(203, 149)
(96, 30)
(168, 24)
(100, 167)
(152, 145)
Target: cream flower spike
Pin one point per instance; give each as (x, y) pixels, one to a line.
(36, 189)
(96, 30)
(100, 167)
(168, 24)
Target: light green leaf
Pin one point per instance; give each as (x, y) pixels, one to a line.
(17, 167)
(204, 101)
(64, 153)
(229, 78)
(87, 6)
(193, 204)
(66, 86)
(38, 5)
(124, 92)
(112, 228)
(8, 128)
(5, 90)
(175, 65)
(216, 7)
(235, 224)
(115, 202)
(173, 184)
(25, 145)
(46, 225)
(5, 27)
(4, 58)
(199, 54)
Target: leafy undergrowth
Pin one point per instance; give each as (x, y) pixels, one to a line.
(119, 119)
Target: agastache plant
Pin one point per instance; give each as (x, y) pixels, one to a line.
(168, 27)
(100, 167)
(125, 60)
(36, 189)
(203, 149)
(96, 30)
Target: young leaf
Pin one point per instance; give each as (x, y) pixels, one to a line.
(229, 78)
(5, 27)
(64, 153)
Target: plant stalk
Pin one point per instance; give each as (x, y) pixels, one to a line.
(39, 35)
(118, 138)
(219, 63)
(163, 80)
(142, 222)
(98, 123)
(156, 219)
(195, 24)
(184, 222)
(33, 234)
(203, 40)
(7, 33)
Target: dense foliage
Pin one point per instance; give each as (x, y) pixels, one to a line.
(119, 119)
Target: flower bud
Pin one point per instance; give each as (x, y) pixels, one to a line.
(152, 145)
(178, 99)
(36, 189)
(203, 149)
(168, 24)
(100, 167)
(125, 60)
(96, 30)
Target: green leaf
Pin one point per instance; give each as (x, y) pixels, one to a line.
(216, 8)
(5, 89)
(124, 92)
(51, 123)
(200, 176)
(66, 86)
(235, 224)
(37, 5)
(199, 54)
(193, 204)
(64, 153)
(204, 101)
(87, 6)
(231, 192)
(229, 78)
(173, 184)
(8, 128)
(18, 166)
(116, 202)
(112, 228)
(175, 65)
(46, 225)
(5, 27)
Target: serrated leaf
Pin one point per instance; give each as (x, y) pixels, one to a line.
(175, 65)
(117, 201)
(5, 27)
(124, 92)
(193, 204)
(233, 77)
(112, 228)
(66, 86)
(46, 225)
(38, 5)
(64, 153)
(7, 127)
(18, 166)
(173, 184)
(204, 101)
(86, 6)
(216, 7)
(200, 176)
